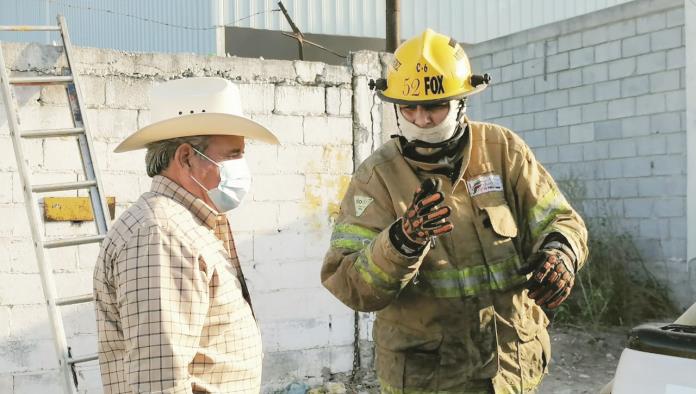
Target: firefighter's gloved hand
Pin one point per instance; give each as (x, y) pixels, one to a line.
(553, 275)
(423, 220)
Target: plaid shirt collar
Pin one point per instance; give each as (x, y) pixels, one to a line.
(168, 188)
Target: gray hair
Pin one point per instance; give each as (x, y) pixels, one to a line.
(160, 153)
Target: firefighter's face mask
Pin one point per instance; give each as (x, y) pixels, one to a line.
(235, 182)
(427, 123)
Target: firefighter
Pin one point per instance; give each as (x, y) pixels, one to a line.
(455, 235)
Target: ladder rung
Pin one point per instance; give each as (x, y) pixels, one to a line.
(29, 28)
(56, 187)
(81, 299)
(52, 133)
(38, 80)
(83, 359)
(59, 243)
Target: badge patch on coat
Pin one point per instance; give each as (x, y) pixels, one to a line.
(485, 184)
(361, 203)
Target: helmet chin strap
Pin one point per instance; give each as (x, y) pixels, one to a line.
(418, 149)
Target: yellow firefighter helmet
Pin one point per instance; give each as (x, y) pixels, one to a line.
(429, 68)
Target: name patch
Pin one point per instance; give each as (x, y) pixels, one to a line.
(485, 184)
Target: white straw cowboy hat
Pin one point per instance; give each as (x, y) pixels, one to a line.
(196, 106)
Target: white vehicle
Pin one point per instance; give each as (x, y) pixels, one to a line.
(659, 359)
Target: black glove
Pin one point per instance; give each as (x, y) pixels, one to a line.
(553, 274)
(423, 219)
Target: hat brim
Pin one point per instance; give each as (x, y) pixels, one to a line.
(197, 124)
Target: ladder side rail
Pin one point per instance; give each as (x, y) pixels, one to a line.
(32, 208)
(99, 205)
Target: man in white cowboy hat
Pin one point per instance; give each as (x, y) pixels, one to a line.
(173, 311)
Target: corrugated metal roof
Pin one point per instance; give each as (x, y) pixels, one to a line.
(137, 25)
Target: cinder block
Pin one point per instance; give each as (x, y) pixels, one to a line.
(286, 187)
(622, 29)
(569, 79)
(257, 98)
(299, 100)
(655, 186)
(15, 223)
(636, 167)
(502, 58)
(608, 130)
(635, 126)
(483, 62)
(621, 108)
(325, 130)
(533, 67)
(676, 58)
(677, 227)
(308, 72)
(523, 87)
(664, 81)
(512, 106)
(557, 62)
(6, 192)
(511, 72)
(622, 68)
(523, 122)
(254, 216)
(676, 143)
(123, 92)
(594, 112)
(556, 99)
(545, 119)
(569, 42)
(112, 124)
(581, 95)
(542, 84)
(20, 289)
(570, 153)
(623, 188)
(534, 103)
(595, 73)
(619, 149)
(581, 133)
(650, 104)
(675, 17)
(670, 207)
(339, 101)
(301, 159)
(669, 165)
(569, 115)
(676, 101)
(666, 39)
(594, 36)
(546, 155)
(635, 86)
(492, 110)
(654, 228)
(262, 159)
(607, 51)
(558, 136)
(335, 75)
(598, 150)
(651, 22)
(612, 169)
(523, 52)
(288, 128)
(651, 63)
(607, 90)
(652, 145)
(638, 207)
(581, 57)
(502, 91)
(637, 45)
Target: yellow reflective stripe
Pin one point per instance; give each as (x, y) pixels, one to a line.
(469, 281)
(373, 274)
(351, 237)
(546, 210)
(388, 389)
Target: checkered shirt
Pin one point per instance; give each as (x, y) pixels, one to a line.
(173, 310)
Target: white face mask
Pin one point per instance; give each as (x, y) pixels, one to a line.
(235, 182)
(442, 132)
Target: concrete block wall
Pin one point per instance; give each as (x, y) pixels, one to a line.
(282, 230)
(601, 100)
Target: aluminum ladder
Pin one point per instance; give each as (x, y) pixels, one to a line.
(80, 130)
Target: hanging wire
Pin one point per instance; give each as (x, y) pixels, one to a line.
(154, 21)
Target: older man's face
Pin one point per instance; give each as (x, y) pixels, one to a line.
(220, 148)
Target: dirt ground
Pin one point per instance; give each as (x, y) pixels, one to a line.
(582, 362)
